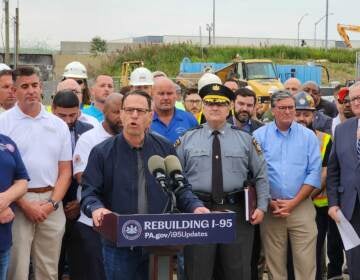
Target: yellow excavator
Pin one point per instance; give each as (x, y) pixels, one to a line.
(342, 28)
(126, 68)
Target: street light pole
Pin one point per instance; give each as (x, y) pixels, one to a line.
(299, 22)
(327, 24)
(316, 23)
(213, 23)
(209, 28)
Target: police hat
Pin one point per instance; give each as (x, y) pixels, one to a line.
(304, 101)
(216, 93)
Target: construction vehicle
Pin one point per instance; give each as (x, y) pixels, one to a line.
(126, 68)
(259, 74)
(342, 28)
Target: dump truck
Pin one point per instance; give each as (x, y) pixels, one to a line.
(259, 74)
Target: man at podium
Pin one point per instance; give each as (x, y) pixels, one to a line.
(217, 159)
(116, 180)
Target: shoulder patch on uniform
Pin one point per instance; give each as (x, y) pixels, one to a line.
(257, 146)
(235, 127)
(177, 142)
(196, 127)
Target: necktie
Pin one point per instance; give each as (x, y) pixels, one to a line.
(358, 148)
(217, 176)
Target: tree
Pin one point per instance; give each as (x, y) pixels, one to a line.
(98, 46)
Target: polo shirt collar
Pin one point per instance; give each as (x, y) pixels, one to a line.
(176, 116)
(19, 114)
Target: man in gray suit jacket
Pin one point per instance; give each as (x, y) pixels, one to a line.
(343, 181)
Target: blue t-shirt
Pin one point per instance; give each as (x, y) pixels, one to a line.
(11, 168)
(181, 122)
(95, 112)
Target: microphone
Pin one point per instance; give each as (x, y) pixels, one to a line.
(174, 171)
(157, 168)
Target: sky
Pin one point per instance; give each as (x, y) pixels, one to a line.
(47, 22)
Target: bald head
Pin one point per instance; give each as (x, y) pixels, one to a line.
(112, 121)
(164, 96)
(164, 81)
(293, 85)
(70, 85)
(114, 100)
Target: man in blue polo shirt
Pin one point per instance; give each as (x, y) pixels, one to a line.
(13, 184)
(169, 121)
(103, 87)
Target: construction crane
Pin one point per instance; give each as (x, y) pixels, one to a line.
(342, 28)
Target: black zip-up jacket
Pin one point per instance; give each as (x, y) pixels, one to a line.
(110, 179)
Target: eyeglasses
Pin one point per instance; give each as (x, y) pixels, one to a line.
(77, 92)
(190, 101)
(139, 111)
(355, 99)
(285, 108)
(80, 82)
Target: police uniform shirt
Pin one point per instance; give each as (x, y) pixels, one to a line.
(43, 141)
(86, 142)
(11, 168)
(239, 155)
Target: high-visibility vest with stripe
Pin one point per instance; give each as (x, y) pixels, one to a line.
(321, 199)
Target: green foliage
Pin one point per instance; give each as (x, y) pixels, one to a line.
(167, 58)
(98, 46)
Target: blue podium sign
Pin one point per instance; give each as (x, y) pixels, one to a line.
(169, 229)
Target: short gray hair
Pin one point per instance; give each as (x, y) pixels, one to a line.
(354, 86)
(313, 84)
(280, 95)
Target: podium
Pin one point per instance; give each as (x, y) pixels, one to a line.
(164, 235)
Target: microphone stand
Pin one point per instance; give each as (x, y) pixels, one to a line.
(171, 201)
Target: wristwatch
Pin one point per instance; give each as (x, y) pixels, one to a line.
(55, 204)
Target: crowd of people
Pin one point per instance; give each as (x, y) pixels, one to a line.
(64, 166)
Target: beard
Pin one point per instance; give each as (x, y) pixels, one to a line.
(242, 116)
(348, 113)
(307, 125)
(114, 127)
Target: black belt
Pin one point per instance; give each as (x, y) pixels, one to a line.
(230, 198)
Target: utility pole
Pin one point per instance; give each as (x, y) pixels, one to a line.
(201, 48)
(7, 44)
(16, 39)
(327, 24)
(209, 28)
(213, 23)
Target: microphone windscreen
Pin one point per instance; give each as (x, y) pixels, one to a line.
(156, 163)
(172, 164)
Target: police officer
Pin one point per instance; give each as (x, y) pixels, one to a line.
(217, 158)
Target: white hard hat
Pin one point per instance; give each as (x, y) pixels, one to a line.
(75, 69)
(3, 66)
(141, 76)
(208, 78)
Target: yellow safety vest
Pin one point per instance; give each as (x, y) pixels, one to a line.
(321, 199)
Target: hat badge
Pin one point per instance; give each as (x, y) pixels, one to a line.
(215, 87)
(302, 101)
